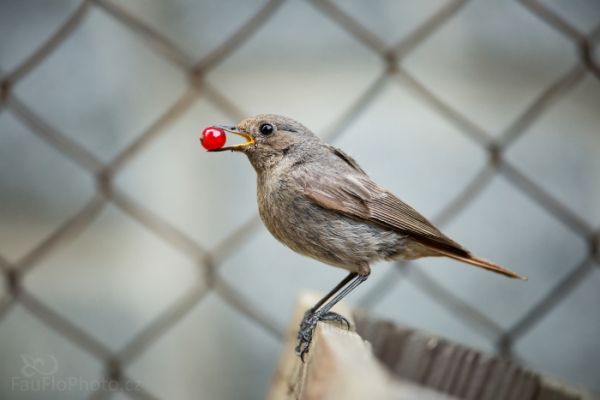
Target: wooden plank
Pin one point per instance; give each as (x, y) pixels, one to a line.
(400, 363)
(455, 369)
(552, 389)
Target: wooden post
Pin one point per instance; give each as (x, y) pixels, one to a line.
(339, 365)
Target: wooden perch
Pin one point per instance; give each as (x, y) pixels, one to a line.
(339, 365)
(400, 363)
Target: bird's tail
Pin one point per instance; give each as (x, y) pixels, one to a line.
(481, 263)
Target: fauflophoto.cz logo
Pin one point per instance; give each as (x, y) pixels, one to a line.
(41, 373)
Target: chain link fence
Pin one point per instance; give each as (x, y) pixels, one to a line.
(209, 260)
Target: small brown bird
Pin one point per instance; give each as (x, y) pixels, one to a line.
(319, 202)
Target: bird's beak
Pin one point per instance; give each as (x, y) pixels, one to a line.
(236, 147)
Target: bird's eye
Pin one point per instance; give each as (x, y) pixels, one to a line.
(266, 129)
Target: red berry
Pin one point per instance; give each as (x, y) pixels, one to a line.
(213, 138)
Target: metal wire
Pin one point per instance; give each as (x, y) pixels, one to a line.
(206, 261)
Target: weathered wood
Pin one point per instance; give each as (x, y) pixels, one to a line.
(455, 369)
(340, 365)
(400, 363)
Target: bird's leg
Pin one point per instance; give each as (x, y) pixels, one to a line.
(331, 315)
(333, 291)
(314, 315)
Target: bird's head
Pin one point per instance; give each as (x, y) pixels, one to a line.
(270, 139)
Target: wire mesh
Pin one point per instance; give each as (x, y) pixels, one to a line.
(208, 261)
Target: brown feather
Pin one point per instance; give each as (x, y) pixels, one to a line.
(356, 195)
(483, 263)
(349, 160)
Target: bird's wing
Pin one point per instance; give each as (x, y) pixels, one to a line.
(351, 192)
(356, 195)
(346, 158)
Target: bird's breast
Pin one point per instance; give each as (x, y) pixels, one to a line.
(278, 206)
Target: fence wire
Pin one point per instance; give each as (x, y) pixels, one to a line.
(208, 261)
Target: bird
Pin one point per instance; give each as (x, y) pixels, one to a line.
(316, 199)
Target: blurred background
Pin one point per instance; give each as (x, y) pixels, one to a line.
(134, 264)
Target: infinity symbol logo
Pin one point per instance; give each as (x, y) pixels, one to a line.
(36, 365)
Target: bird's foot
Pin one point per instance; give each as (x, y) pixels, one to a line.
(333, 316)
(308, 325)
(328, 316)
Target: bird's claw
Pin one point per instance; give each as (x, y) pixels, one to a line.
(308, 325)
(333, 316)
